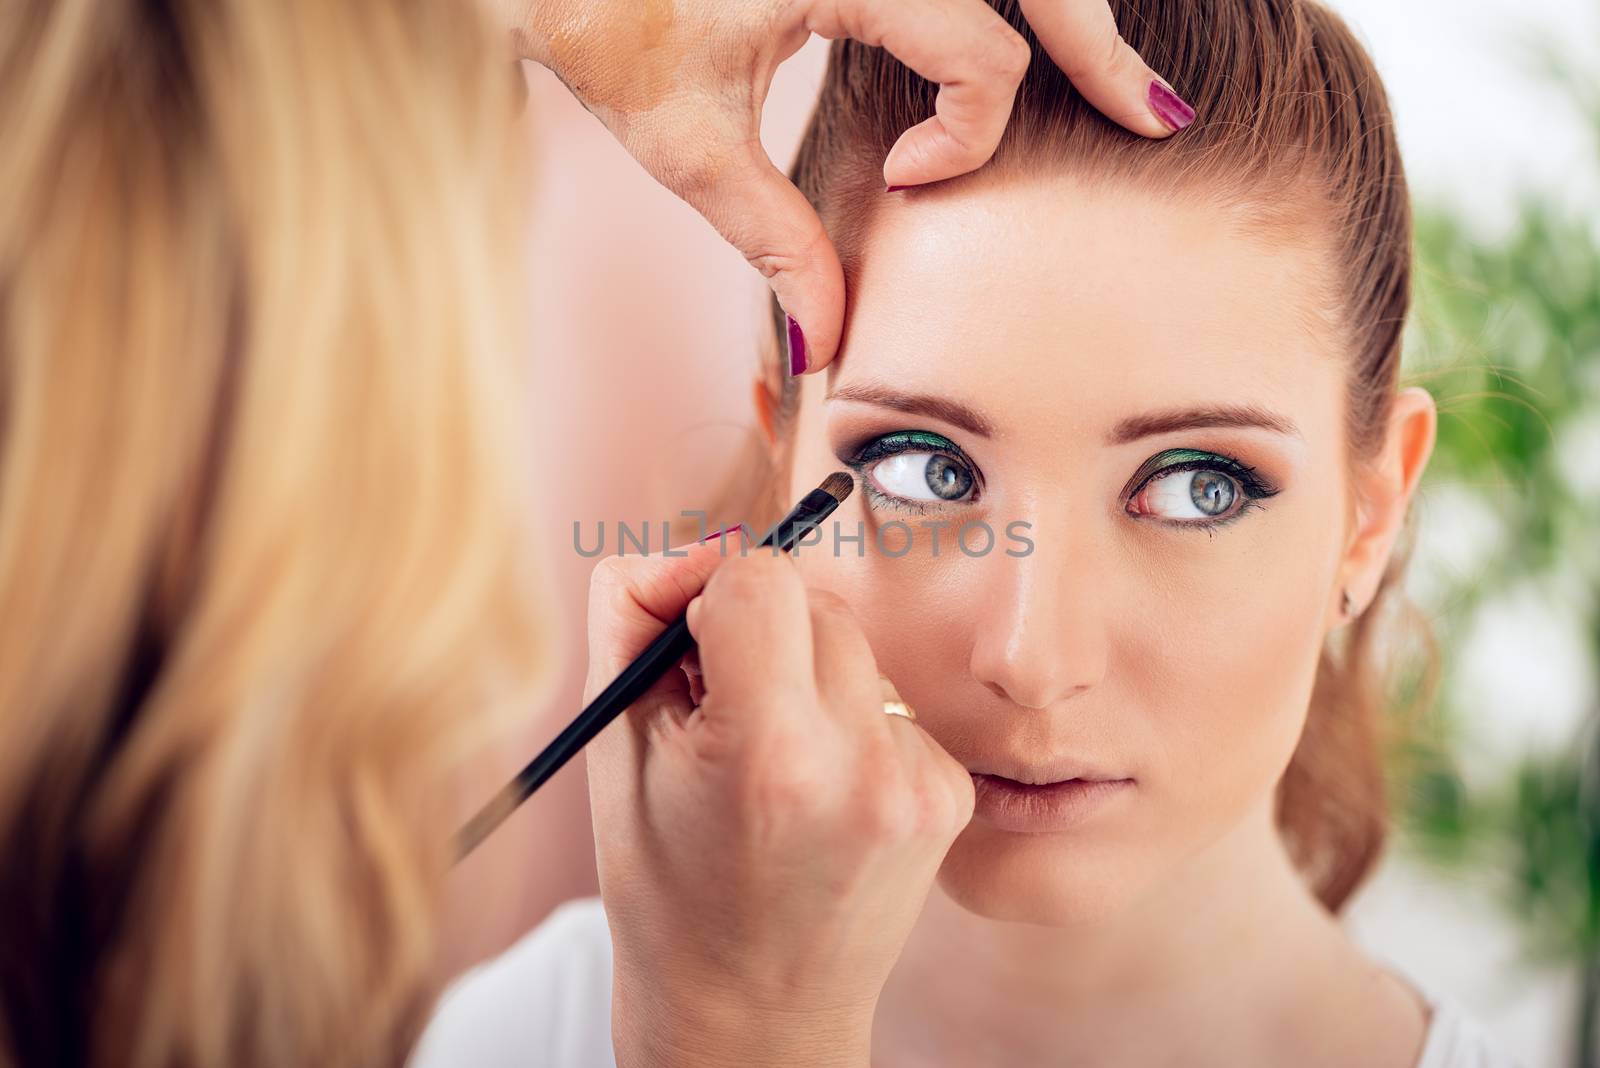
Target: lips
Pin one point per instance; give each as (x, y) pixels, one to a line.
(1044, 774)
(1011, 804)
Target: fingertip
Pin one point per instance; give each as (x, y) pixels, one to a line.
(717, 542)
(1173, 112)
(692, 615)
(895, 176)
(816, 360)
(928, 152)
(759, 210)
(799, 356)
(1081, 36)
(811, 332)
(1149, 110)
(810, 290)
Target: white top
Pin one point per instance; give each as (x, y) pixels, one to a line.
(546, 1003)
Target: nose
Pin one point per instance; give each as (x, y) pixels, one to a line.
(1040, 632)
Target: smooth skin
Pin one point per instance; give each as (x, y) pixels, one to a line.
(682, 83)
(1170, 928)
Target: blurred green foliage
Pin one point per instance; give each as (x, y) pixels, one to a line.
(1506, 335)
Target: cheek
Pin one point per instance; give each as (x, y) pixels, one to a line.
(1222, 658)
(904, 605)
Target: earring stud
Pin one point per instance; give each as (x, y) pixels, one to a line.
(1349, 608)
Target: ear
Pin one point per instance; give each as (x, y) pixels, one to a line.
(1383, 495)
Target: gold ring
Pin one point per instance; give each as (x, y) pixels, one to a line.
(898, 708)
(892, 704)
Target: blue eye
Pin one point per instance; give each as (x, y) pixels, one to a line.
(1187, 487)
(1188, 495)
(915, 468)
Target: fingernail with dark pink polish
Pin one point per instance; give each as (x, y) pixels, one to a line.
(797, 347)
(720, 533)
(894, 188)
(1169, 107)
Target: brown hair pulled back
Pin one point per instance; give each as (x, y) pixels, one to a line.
(1295, 138)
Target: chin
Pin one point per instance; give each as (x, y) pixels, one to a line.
(1054, 880)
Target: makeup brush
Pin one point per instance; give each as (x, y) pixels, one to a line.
(659, 657)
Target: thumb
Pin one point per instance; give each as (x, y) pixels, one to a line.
(762, 214)
(753, 626)
(633, 598)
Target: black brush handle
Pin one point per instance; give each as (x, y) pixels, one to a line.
(659, 657)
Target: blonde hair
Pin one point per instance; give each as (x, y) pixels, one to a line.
(264, 572)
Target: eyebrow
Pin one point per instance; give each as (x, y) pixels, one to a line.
(944, 408)
(1226, 415)
(1130, 429)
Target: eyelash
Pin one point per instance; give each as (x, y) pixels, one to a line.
(881, 447)
(1253, 488)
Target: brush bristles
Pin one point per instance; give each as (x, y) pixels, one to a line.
(838, 485)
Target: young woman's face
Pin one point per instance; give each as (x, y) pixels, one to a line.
(1134, 407)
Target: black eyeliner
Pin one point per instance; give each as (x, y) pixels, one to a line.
(882, 446)
(1169, 461)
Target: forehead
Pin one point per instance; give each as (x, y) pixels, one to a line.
(1040, 291)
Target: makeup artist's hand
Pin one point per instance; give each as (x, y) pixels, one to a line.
(681, 83)
(764, 850)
